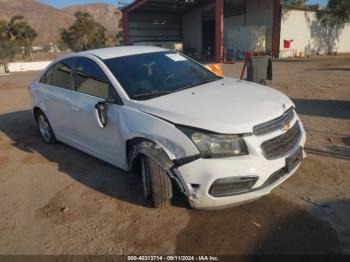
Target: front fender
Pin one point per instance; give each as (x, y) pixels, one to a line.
(139, 146)
(137, 124)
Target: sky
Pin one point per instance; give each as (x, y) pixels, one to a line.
(63, 3)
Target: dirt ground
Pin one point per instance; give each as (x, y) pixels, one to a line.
(57, 200)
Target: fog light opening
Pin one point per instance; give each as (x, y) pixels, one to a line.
(229, 186)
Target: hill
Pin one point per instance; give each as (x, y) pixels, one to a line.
(47, 21)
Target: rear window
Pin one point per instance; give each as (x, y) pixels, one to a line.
(60, 74)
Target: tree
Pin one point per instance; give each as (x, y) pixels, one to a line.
(336, 14)
(121, 4)
(16, 32)
(340, 9)
(7, 49)
(119, 39)
(20, 31)
(84, 34)
(332, 19)
(119, 36)
(295, 3)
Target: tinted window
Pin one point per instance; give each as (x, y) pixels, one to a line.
(60, 74)
(147, 75)
(89, 79)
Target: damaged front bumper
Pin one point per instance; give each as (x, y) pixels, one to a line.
(200, 198)
(198, 176)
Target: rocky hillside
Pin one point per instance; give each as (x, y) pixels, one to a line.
(107, 15)
(47, 21)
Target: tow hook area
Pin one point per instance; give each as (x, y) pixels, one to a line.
(188, 191)
(194, 196)
(195, 188)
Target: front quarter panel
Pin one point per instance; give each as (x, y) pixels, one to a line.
(135, 123)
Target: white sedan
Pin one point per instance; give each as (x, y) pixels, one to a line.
(222, 141)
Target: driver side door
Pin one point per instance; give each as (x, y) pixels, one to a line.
(92, 86)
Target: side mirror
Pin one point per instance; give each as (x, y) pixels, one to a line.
(101, 113)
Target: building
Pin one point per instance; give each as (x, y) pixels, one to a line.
(309, 36)
(222, 27)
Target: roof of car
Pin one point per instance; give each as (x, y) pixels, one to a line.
(113, 52)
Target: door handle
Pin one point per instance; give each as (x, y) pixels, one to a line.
(75, 109)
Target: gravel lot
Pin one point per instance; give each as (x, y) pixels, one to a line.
(57, 200)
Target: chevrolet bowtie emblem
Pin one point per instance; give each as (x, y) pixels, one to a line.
(285, 127)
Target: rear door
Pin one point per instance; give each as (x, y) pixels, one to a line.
(57, 91)
(93, 86)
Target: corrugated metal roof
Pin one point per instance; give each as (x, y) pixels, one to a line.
(168, 6)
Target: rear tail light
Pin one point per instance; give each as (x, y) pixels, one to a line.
(232, 186)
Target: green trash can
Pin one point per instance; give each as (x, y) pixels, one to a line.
(259, 69)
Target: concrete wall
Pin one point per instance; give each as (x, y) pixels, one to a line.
(192, 30)
(2, 69)
(258, 13)
(246, 38)
(309, 36)
(234, 21)
(28, 66)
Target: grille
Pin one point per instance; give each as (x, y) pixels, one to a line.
(274, 124)
(281, 145)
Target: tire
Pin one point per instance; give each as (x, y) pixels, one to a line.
(156, 183)
(45, 129)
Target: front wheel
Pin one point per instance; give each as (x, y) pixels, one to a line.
(156, 183)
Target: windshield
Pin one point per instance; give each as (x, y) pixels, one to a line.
(146, 76)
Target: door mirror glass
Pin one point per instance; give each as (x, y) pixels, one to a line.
(101, 113)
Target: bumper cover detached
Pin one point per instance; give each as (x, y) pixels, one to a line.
(259, 174)
(201, 198)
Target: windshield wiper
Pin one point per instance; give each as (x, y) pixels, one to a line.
(151, 93)
(210, 80)
(166, 92)
(198, 83)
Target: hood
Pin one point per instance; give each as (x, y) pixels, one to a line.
(225, 106)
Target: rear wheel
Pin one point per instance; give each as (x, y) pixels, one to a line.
(156, 183)
(45, 129)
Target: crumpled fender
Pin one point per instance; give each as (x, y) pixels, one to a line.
(156, 152)
(150, 149)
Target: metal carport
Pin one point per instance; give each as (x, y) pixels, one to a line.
(161, 20)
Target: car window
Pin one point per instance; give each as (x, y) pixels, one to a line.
(147, 75)
(89, 79)
(60, 74)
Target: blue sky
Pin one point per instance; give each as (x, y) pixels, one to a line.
(321, 2)
(63, 3)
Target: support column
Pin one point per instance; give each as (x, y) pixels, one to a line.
(219, 30)
(276, 28)
(125, 28)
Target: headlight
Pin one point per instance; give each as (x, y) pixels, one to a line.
(216, 145)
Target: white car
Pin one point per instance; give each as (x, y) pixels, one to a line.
(222, 141)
